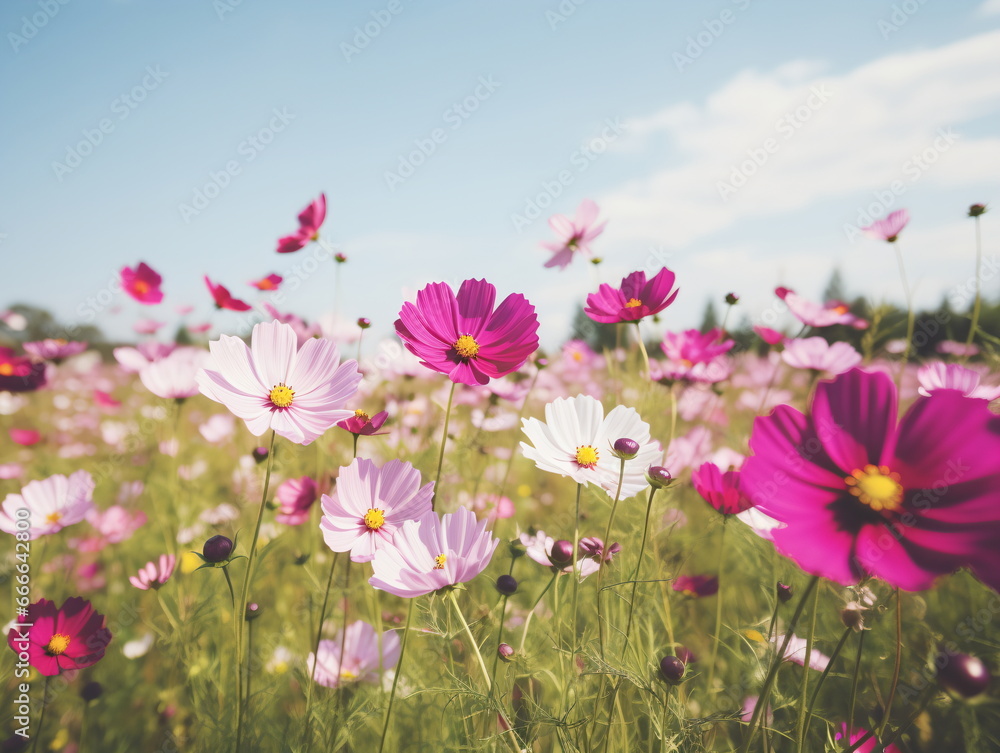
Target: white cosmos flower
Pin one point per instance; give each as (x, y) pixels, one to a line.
(576, 440)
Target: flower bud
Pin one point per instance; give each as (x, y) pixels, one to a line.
(562, 553)
(259, 454)
(505, 651)
(732, 299)
(253, 611)
(217, 549)
(91, 691)
(962, 675)
(686, 655)
(853, 616)
(507, 585)
(625, 448)
(977, 209)
(672, 669)
(784, 592)
(364, 322)
(597, 260)
(516, 548)
(340, 258)
(658, 476)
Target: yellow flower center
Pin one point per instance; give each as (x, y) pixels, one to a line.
(877, 487)
(374, 519)
(141, 287)
(281, 395)
(841, 309)
(348, 675)
(586, 456)
(633, 303)
(60, 341)
(439, 562)
(6, 369)
(466, 346)
(57, 644)
(53, 517)
(362, 415)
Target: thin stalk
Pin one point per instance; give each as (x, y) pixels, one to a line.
(854, 685)
(41, 715)
(444, 441)
(503, 615)
(343, 634)
(979, 283)
(638, 568)
(895, 671)
(910, 314)
(801, 725)
(312, 673)
(718, 610)
(928, 697)
(395, 679)
(576, 576)
(531, 612)
(642, 349)
(822, 677)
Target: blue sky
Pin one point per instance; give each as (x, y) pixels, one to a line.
(212, 74)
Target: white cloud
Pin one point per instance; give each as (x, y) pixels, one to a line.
(989, 8)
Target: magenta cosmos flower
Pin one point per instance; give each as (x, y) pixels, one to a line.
(696, 586)
(270, 385)
(574, 235)
(310, 221)
(356, 659)
(433, 553)
(363, 425)
(860, 493)
(20, 374)
(295, 497)
(154, 574)
(271, 282)
(71, 637)
(54, 349)
(692, 347)
(463, 337)
(51, 504)
(142, 284)
(889, 227)
(817, 354)
(815, 315)
(224, 299)
(720, 489)
(371, 504)
(636, 299)
(25, 437)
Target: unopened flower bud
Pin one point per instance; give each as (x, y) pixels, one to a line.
(977, 209)
(253, 611)
(91, 691)
(507, 585)
(672, 669)
(658, 476)
(962, 675)
(562, 553)
(340, 258)
(853, 616)
(217, 549)
(505, 651)
(784, 593)
(364, 322)
(732, 299)
(259, 454)
(625, 448)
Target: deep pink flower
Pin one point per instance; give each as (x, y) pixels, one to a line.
(867, 747)
(693, 347)
(591, 546)
(951, 376)
(55, 349)
(52, 504)
(432, 553)
(142, 283)
(574, 235)
(224, 299)
(310, 221)
(154, 574)
(720, 489)
(370, 506)
(463, 337)
(271, 386)
(636, 299)
(814, 315)
(20, 374)
(295, 496)
(198, 329)
(817, 354)
(861, 493)
(770, 336)
(71, 637)
(271, 282)
(361, 424)
(696, 585)
(26, 437)
(888, 228)
(105, 401)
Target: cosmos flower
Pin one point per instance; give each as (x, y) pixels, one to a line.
(54, 349)
(796, 652)
(174, 377)
(866, 747)
(574, 235)
(25, 437)
(696, 585)
(147, 326)
(71, 637)
(538, 547)
(720, 489)
(953, 348)
(271, 282)
(768, 335)
(576, 439)
(52, 504)
(951, 376)
(20, 374)
(591, 546)
(360, 656)
(224, 299)
(814, 315)
(817, 354)
(861, 493)
(295, 496)
(371, 504)
(270, 385)
(310, 221)
(433, 553)
(154, 574)
(692, 347)
(361, 424)
(134, 360)
(636, 299)
(142, 284)
(113, 525)
(462, 336)
(889, 227)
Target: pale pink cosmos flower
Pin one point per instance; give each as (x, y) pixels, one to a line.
(889, 227)
(154, 574)
(817, 354)
(539, 548)
(147, 326)
(299, 394)
(10, 471)
(371, 504)
(114, 525)
(796, 652)
(432, 553)
(52, 504)
(134, 360)
(218, 428)
(689, 450)
(951, 376)
(948, 348)
(360, 656)
(816, 315)
(174, 377)
(295, 496)
(54, 349)
(574, 235)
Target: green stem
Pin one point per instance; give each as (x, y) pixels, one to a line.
(822, 677)
(41, 715)
(395, 679)
(444, 442)
(642, 349)
(638, 568)
(718, 611)
(531, 612)
(576, 582)
(979, 281)
(910, 314)
(343, 635)
(895, 672)
(604, 563)
(319, 635)
(854, 686)
(801, 724)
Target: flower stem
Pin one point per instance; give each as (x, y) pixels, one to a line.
(642, 349)
(41, 716)
(822, 678)
(576, 578)
(343, 635)
(854, 686)
(244, 593)
(638, 568)
(395, 679)
(801, 724)
(604, 562)
(910, 314)
(444, 441)
(312, 673)
(531, 612)
(895, 672)
(718, 611)
(979, 283)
